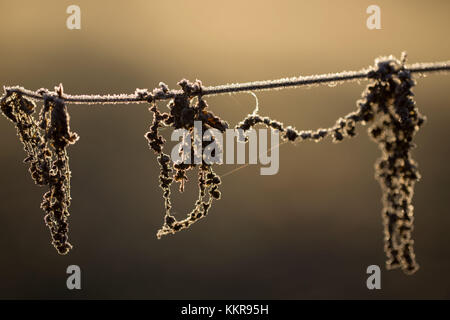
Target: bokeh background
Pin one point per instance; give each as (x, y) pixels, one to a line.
(308, 232)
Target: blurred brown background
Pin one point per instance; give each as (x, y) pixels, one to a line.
(308, 232)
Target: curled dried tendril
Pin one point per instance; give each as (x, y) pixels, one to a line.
(183, 113)
(45, 141)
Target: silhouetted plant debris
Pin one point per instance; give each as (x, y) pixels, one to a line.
(182, 115)
(387, 104)
(397, 122)
(45, 143)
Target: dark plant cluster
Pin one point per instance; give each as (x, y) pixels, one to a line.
(397, 121)
(183, 113)
(388, 104)
(45, 141)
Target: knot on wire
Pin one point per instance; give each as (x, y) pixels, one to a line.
(386, 68)
(144, 94)
(191, 89)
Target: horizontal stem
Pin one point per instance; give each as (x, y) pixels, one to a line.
(231, 88)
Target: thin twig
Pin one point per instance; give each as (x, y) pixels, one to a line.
(159, 94)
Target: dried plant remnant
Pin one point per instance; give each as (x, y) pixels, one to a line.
(183, 114)
(388, 104)
(45, 142)
(397, 122)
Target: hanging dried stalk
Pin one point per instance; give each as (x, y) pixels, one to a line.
(45, 142)
(183, 114)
